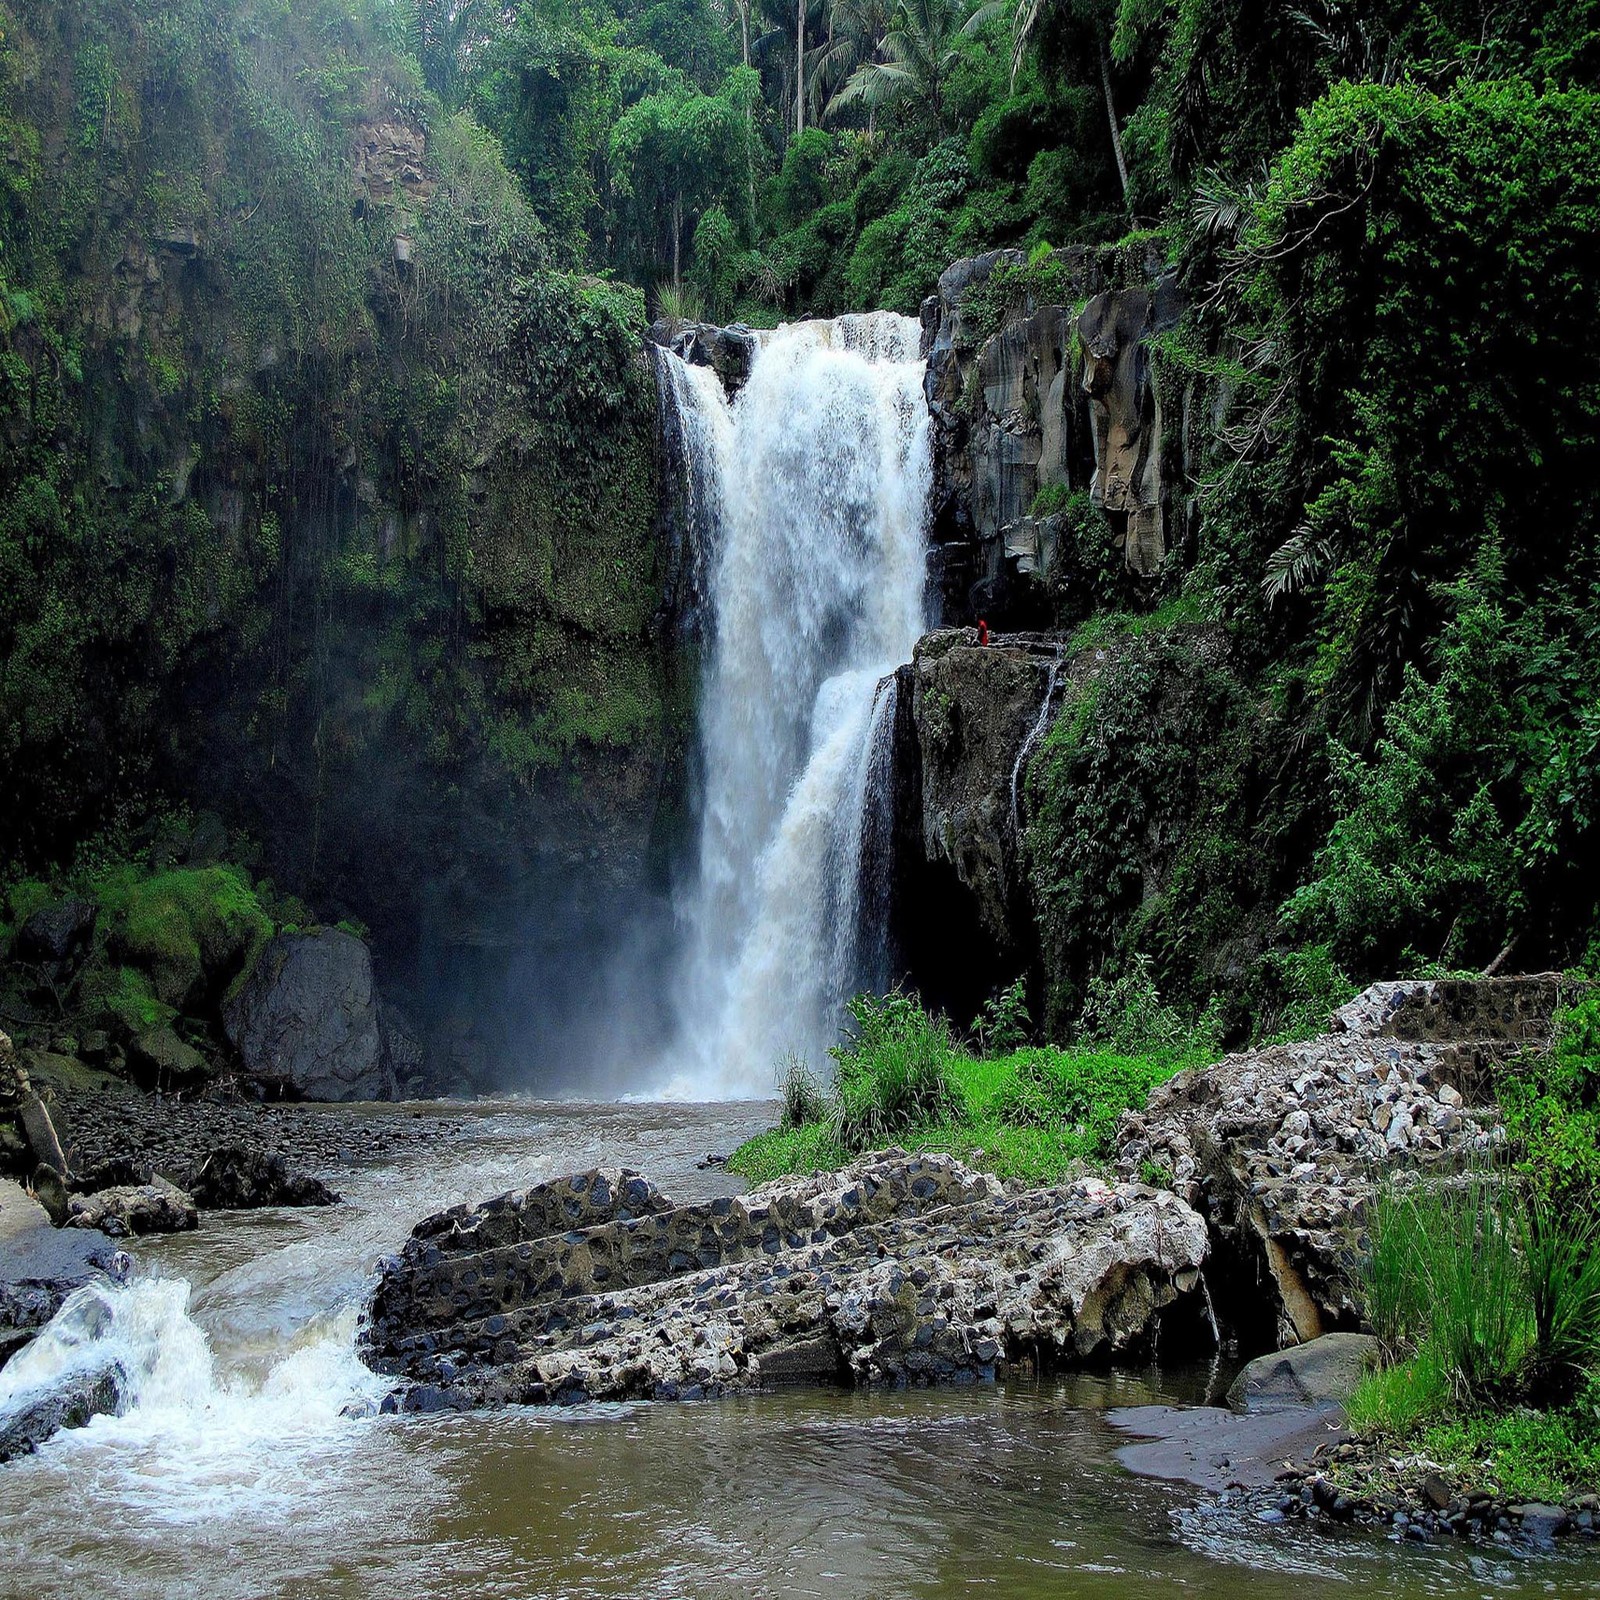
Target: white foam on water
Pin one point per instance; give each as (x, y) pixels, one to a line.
(203, 1442)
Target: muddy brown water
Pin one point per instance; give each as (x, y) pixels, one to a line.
(238, 1472)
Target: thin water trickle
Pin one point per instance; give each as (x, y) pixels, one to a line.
(1035, 733)
(810, 508)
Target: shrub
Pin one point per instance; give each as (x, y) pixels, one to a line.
(804, 1099)
(893, 1073)
(1296, 992)
(1447, 1276)
(1124, 1010)
(1561, 1248)
(1494, 1284)
(1552, 1108)
(1004, 1023)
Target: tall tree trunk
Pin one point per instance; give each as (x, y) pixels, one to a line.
(744, 28)
(800, 67)
(677, 238)
(1116, 132)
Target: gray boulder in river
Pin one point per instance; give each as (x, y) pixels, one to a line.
(305, 1021)
(901, 1269)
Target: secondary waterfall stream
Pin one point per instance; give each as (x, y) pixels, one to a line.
(807, 497)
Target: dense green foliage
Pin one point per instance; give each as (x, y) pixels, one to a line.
(280, 336)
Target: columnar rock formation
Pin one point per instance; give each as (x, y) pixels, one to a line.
(1125, 410)
(1046, 398)
(899, 1269)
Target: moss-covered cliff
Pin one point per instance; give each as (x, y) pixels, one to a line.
(324, 500)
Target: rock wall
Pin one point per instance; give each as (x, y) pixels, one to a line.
(977, 712)
(1057, 395)
(1052, 815)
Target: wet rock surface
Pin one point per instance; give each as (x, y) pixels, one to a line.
(729, 352)
(306, 1020)
(237, 1178)
(1282, 1148)
(1045, 398)
(1346, 1481)
(979, 713)
(174, 1136)
(898, 1270)
(40, 1266)
(134, 1209)
(27, 1423)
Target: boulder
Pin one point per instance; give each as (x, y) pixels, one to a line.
(154, 1207)
(58, 935)
(40, 1266)
(901, 1269)
(305, 1022)
(237, 1178)
(1323, 1372)
(159, 1059)
(31, 1419)
(730, 352)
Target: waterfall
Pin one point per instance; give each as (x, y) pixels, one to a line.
(810, 494)
(694, 426)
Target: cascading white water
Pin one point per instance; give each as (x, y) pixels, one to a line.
(815, 534)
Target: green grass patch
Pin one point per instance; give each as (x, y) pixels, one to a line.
(1522, 1454)
(906, 1078)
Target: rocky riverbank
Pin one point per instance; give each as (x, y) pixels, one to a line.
(1282, 1148)
(899, 1269)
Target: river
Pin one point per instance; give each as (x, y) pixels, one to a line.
(244, 1469)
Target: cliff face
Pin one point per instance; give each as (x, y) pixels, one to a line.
(1054, 816)
(1040, 383)
(1052, 804)
(328, 502)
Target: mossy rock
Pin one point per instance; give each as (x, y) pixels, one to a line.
(193, 931)
(158, 1057)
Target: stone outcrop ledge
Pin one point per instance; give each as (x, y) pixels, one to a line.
(901, 1269)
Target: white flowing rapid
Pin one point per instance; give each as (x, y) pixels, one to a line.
(811, 495)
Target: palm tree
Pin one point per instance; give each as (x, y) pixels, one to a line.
(855, 30)
(1026, 18)
(789, 22)
(913, 60)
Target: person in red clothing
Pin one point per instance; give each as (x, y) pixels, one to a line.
(983, 631)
